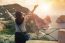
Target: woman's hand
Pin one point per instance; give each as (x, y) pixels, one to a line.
(26, 18)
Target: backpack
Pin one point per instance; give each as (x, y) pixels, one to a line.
(26, 36)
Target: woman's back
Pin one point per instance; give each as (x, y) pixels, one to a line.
(20, 27)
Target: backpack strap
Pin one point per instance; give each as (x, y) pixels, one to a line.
(19, 28)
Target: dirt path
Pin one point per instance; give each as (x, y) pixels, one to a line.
(41, 41)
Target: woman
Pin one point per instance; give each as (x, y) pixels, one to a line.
(20, 28)
(20, 21)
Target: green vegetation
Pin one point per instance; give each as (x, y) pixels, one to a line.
(10, 28)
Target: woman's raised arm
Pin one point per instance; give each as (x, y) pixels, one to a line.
(12, 17)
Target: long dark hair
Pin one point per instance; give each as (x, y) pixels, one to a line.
(19, 18)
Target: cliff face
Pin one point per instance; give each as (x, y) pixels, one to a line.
(12, 8)
(16, 7)
(61, 19)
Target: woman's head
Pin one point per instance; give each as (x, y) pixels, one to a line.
(19, 18)
(18, 14)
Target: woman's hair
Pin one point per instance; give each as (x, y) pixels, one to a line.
(19, 18)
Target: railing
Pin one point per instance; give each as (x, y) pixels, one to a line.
(49, 34)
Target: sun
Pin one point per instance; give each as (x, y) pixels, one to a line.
(44, 7)
(42, 10)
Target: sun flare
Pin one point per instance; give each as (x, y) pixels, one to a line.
(42, 10)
